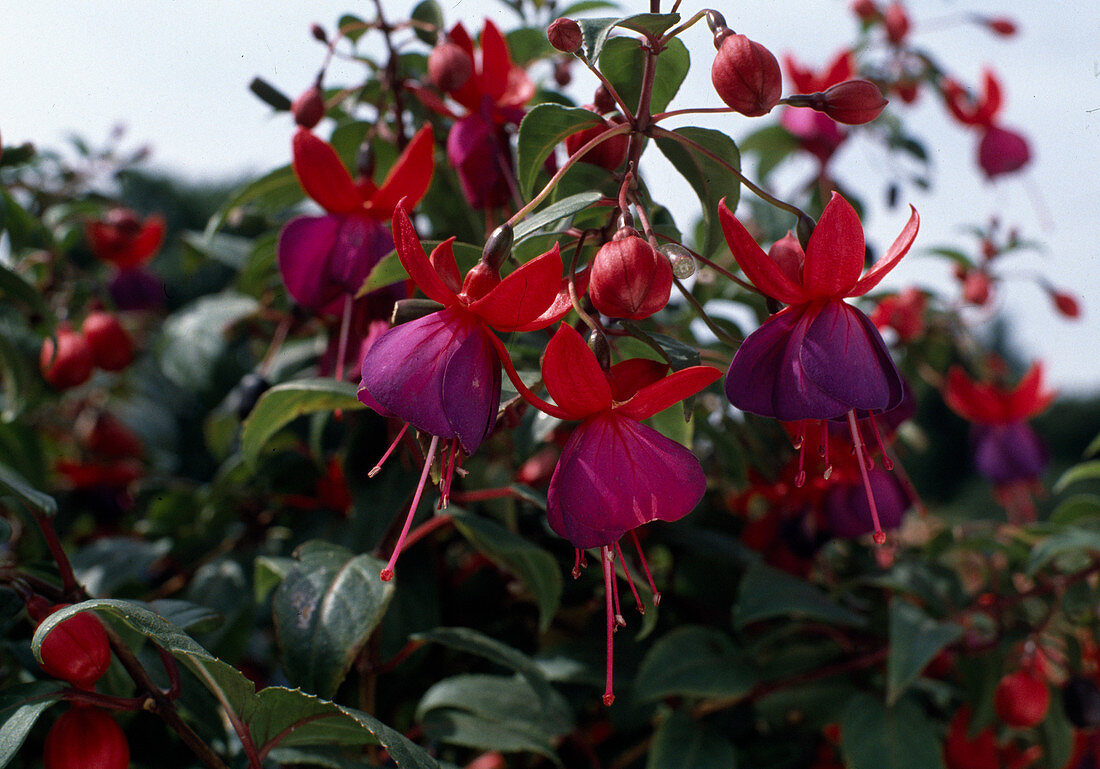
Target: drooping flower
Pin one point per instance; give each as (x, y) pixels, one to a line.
(325, 259)
(903, 312)
(1000, 151)
(817, 133)
(1007, 452)
(124, 241)
(616, 474)
(493, 96)
(820, 358)
(441, 373)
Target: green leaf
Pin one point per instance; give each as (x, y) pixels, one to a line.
(1071, 541)
(1093, 448)
(186, 615)
(650, 24)
(1086, 471)
(552, 213)
(535, 567)
(268, 571)
(325, 609)
(15, 484)
(1079, 507)
(13, 286)
(275, 191)
(623, 62)
(427, 12)
(771, 145)
(875, 737)
(194, 337)
(710, 179)
(15, 378)
(284, 403)
(683, 743)
(493, 713)
(915, 640)
(594, 33)
(693, 661)
(20, 707)
(469, 640)
(352, 26)
(767, 593)
(389, 270)
(107, 564)
(543, 128)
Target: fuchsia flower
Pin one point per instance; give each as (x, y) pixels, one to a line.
(616, 474)
(1000, 151)
(325, 259)
(820, 358)
(1006, 450)
(816, 132)
(441, 373)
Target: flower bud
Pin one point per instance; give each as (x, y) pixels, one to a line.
(1002, 152)
(976, 287)
(309, 108)
(449, 67)
(1021, 700)
(112, 348)
(86, 738)
(565, 35)
(897, 23)
(853, 102)
(73, 363)
(998, 25)
(318, 33)
(1066, 303)
(563, 74)
(866, 10)
(746, 76)
(603, 101)
(109, 437)
(629, 279)
(76, 650)
(609, 154)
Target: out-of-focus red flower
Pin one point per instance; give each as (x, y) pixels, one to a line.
(902, 312)
(111, 345)
(806, 80)
(73, 362)
(121, 239)
(86, 738)
(896, 19)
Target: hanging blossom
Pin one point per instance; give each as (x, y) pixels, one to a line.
(1007, 452)
(127, 244)
(441, 373)
(615, 474)
(493, 91)
(820, 358)
(816, 132)
(1000, 150)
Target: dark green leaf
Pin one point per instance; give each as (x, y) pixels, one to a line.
(427, 12)
(20, 707)
(901, 737)
(696, 662)
(108, 563)
(352, 26)
(1086, 471)
(535, 567)
(194, 338)
(552, 213)
(682, 743)
(915, 639)
(1057, 734)
(543, 128)
(767, 593)
(650, 24)
(623, 62)
(594, 33)
(187, 616)
(711, 180)
(1079, 507)
(13, 286)
(283, 403)
(273, 192)
(268, 572)
(1071, 541)
(15, 378)
(15, 484)
(325, 609)
(269, 94)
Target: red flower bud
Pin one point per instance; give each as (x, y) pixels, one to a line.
(86, 738)
(866, 10)
(318, 33)
(999, 25)
(976, 287)
(111, 346)
(853, 102)
(1002, 152)
(629, 279)
(563, 74)
(907, 90)
(76, 650)
(565, 35)
(1021, 700)
(110, 438)
(603, 101)
(962, 752)
(309, 108)
(746, 76)
(609, 154)
(1066, 303)
(73, 363)
(449, 67)
(897, 23)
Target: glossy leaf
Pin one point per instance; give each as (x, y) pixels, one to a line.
(915, 639)
(284, 403)
(325, 609)
(194, 338)
(767, 593)
(623, 61)
(20, 707)
(427, 12)
(681, 742)
(594, 33)
(1086, 471)
(1071, 541)
(13, 483)
(693, 661)
(544, 127)
(553, 213)
(535, 567)
(876, 737)
(108, 563)
(275, 191)
(650, 24)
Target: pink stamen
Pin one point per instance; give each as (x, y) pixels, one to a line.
(887, 463)
(800, 476)
(387, 573)
(630, 580)
(645, 568)
(608, 581)
(824, 450)
(857, 440)
(578, 562)
(342, 345)
(378, 467)
(449, 476)
(620, 620)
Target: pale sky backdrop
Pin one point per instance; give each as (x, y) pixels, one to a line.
(176, 72)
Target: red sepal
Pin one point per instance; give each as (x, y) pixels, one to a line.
(761, 271)
(572, 375)
(834, 255)
(1028, 399)
(323, 176)
(409, 178)
(496, 62)
(666, 392)
(522, 296)
(561, 305)
(898, 249)
(415, 261)
(631, 375)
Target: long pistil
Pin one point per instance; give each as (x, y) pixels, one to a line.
(857, 440)
(608, 584)
(387, 573)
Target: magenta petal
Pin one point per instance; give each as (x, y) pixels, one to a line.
(360, 244)
(843, 355)
(616, 474)
(766, 375)
(471, 389)
(404, 370)
(1007, 453)
(304, 247)
(848, 512)
(474, 152)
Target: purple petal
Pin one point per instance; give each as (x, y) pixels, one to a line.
(844, 356)
(360, 243)
(136, 288)
(404, 370)
(474, 152)
(848, 512)
(471, 389)
(1007, 453)
(616, 474)
(304, 249)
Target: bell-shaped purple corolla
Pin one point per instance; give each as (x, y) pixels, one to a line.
(846, 505)
(1007, 453)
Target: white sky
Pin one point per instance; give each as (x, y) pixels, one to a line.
(176, 73)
